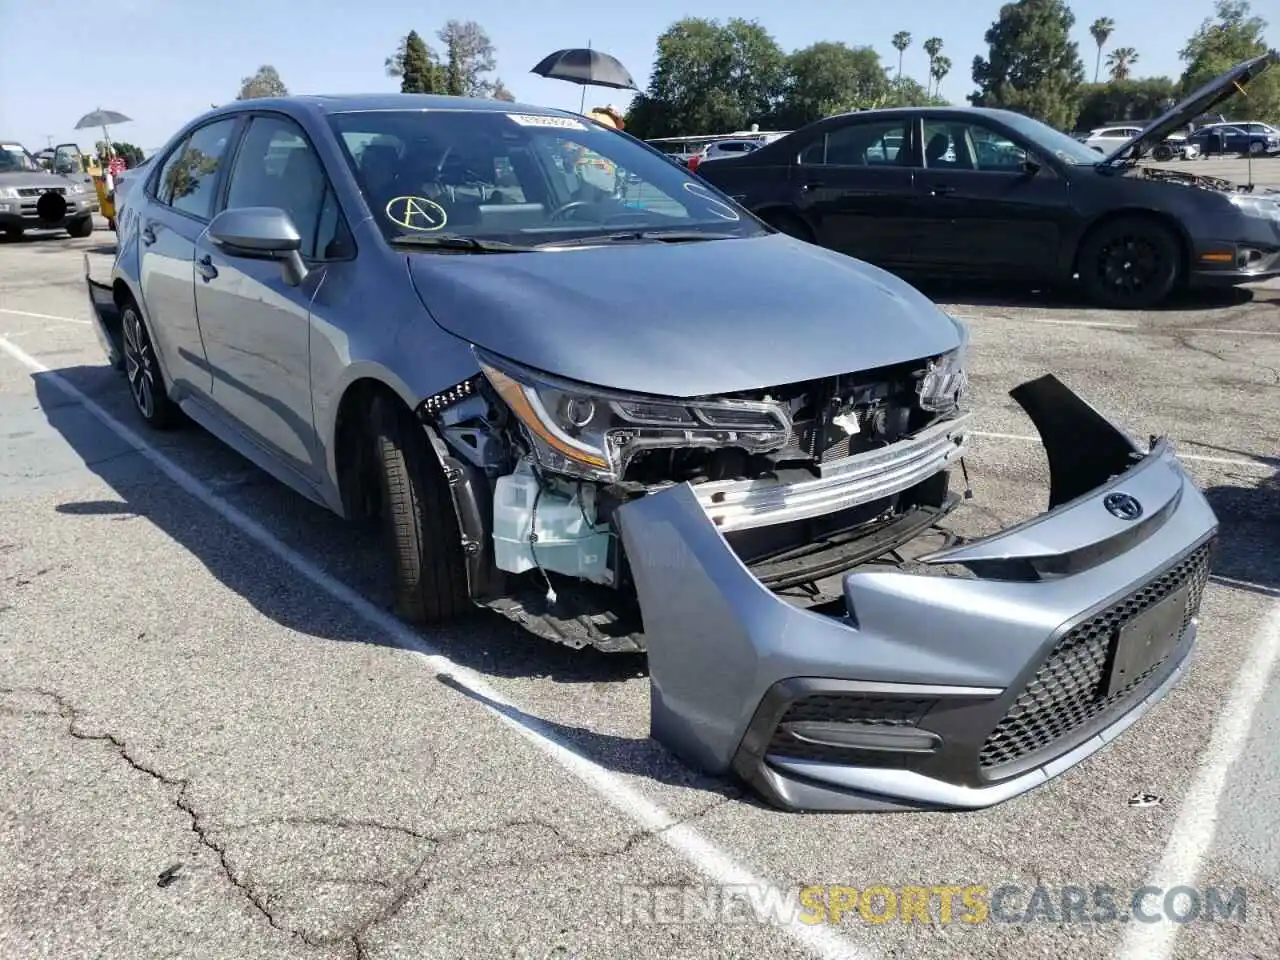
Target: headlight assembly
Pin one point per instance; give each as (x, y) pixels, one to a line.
(8, 193)
(594, 433)
(945, 382)
(1267, 207)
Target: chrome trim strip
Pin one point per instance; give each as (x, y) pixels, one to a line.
(864, 477)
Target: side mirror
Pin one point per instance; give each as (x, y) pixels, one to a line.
(261, 233)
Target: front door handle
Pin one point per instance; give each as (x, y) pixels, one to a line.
(810, 185)
(149, 234)
(206, 268)
(941, 190)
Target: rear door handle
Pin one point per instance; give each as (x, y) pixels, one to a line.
(149, 234)
(206, 268)
(941, 190)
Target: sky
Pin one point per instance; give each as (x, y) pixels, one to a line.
(163, 62)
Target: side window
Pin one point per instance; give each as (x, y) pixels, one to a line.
(189, 178)
(815, 154)
(167, 177)
(277, 167)
(970, 146)
(996, 153)
(882, 144)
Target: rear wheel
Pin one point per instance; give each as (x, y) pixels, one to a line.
(419, 519)
(1130, 263)
(788, 223)
(146, 384)
(81, 228)
(1163, 152)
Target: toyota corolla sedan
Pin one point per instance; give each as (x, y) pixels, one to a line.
(583, 389)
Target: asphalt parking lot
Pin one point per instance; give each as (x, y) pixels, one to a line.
(214, 743)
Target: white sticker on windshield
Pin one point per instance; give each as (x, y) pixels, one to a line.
(542, 120)
(715, 206)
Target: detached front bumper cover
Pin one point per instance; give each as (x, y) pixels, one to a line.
(934, 691)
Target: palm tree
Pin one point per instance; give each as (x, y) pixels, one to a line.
(932, 46)
(1101, 29)
(901, 40)
(940, 68)
(1119, 62)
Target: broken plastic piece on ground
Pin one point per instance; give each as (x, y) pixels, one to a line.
(168, 875)
(1141, 799)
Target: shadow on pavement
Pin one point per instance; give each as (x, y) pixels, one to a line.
(1248, 556)
(629, 755)
(483, 641)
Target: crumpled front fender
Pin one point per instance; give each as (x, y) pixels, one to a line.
(737, 673)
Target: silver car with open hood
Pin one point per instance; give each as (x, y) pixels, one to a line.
(583, 389)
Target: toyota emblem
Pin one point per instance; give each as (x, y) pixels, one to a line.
(1123, 506)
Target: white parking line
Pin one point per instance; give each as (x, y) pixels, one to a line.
(1156, 331)
(44, 316)
(700, 853)
(1067, 323)
(1199, 458)
(1197, 821)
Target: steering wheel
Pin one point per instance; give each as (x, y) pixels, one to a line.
(561, 210)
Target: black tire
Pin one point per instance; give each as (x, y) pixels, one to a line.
(418, 517)
(146, 382)
(1130, 263)
(81, 228)
(788, 223)
(1162, 152)
(13, 234)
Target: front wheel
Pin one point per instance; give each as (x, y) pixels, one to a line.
(1163, 152)
(1255, 147)
(81, 228)
(1130, 263)
(419, 519)
(146, 384)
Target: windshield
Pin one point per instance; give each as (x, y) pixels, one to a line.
(15, 159)
(1066, 148)
(522, 179)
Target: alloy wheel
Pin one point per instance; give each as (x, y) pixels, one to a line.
(1130, 264)
(139, 363)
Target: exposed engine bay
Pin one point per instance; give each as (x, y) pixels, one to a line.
(806, 481)
(1194, 180)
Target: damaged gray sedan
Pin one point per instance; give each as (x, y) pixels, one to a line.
(583, 389)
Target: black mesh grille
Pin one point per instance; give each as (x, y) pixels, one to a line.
(38, 191)
(1067, 691)
(857, 709)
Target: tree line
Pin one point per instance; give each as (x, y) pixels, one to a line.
(461, 67)
(713, 77)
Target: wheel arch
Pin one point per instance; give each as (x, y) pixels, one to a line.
(1185, 244)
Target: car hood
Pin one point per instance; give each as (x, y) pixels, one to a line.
(24, 178)
(684, 320)
(1199, 102)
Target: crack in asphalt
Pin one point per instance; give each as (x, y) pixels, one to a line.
(68, 712)
(419, 879)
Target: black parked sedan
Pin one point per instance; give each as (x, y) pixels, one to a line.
(1254, 138)
(996, 195)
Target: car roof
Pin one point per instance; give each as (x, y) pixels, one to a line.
(358, 102)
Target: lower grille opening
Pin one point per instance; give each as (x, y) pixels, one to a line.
(1069, 689)
(850, 713)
